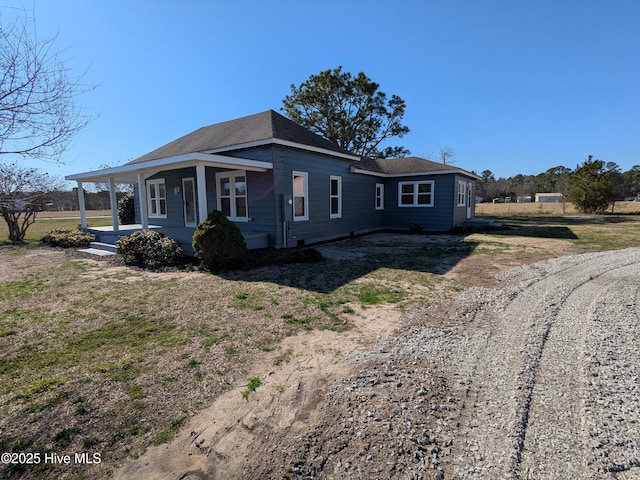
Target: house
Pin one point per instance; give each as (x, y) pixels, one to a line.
(282, 185)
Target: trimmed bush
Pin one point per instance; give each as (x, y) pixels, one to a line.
(150, 249)
(64, 238)
(127, 209)
(218, 243)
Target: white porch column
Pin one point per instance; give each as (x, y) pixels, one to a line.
(142, 196)
(201, 179)
(83, 212)
(113, 200)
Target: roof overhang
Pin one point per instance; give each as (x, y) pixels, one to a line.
(129, 173)
(413, 174)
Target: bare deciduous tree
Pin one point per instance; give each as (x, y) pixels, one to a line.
(446, 154)
(38, 111)
(23, 192)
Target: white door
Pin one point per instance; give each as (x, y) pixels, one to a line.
(189, 202)
(470, 199)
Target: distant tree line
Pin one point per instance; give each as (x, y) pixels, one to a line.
(593, 186)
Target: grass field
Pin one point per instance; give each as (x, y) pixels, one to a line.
(502, 209)
(588, 232)
(46, 221)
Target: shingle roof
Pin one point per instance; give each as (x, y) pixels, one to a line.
(259, 127)
(408, 165)
(411, 165)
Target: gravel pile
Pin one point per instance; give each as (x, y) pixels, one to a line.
(538, 379)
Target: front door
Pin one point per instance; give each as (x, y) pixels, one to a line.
(189, 202)
(470, 199)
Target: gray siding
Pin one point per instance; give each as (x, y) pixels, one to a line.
(460, 213)
(445, 213)
(260, 201)
(358, 197)
(175, 208)
(434, 219)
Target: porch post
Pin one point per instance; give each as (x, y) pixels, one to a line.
(203, 211)
(142, 197)
(113, 200)
(83, 212)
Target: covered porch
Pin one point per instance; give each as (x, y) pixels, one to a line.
(137, 174)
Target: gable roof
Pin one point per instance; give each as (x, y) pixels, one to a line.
(406, 166)
(261, 128)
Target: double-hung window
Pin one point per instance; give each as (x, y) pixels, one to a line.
(415, 194)
(157, 198)
(300, 196)
(462, 193)
(232, 194)
(379, 196)
(335, 197)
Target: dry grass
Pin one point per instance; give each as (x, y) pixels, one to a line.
(587, 232)
(502, 209)
(75, 214)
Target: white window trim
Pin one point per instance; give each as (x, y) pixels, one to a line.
(379, 195)
(157, 182)
(339, 197)
(462, 193)
(415, 193)
(232, 193)
(305, 176)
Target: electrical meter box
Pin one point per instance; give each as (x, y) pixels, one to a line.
(287, 207)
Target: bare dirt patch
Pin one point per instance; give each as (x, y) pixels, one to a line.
(506, 252)
(221, 441)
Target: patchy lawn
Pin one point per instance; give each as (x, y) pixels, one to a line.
(108, 359)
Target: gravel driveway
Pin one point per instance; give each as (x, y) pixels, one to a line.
(547, 371)
(538, 379)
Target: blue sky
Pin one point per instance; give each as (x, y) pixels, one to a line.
(511, 86)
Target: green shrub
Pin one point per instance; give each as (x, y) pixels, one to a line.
(150, 249)
(64, 238)
(127, 209)
(218, 243)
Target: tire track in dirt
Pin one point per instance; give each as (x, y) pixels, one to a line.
(523, 418)
(556, 405)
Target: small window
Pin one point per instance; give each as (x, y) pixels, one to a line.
(462, 193)
(300, 196)
(232, 194)
(157, 198)
(335, 197)
(379, 196)
(415, 194)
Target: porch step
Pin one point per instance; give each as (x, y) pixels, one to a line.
(95, 251)
(100, 248)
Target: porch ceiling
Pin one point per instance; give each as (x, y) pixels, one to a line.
(129, 173)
